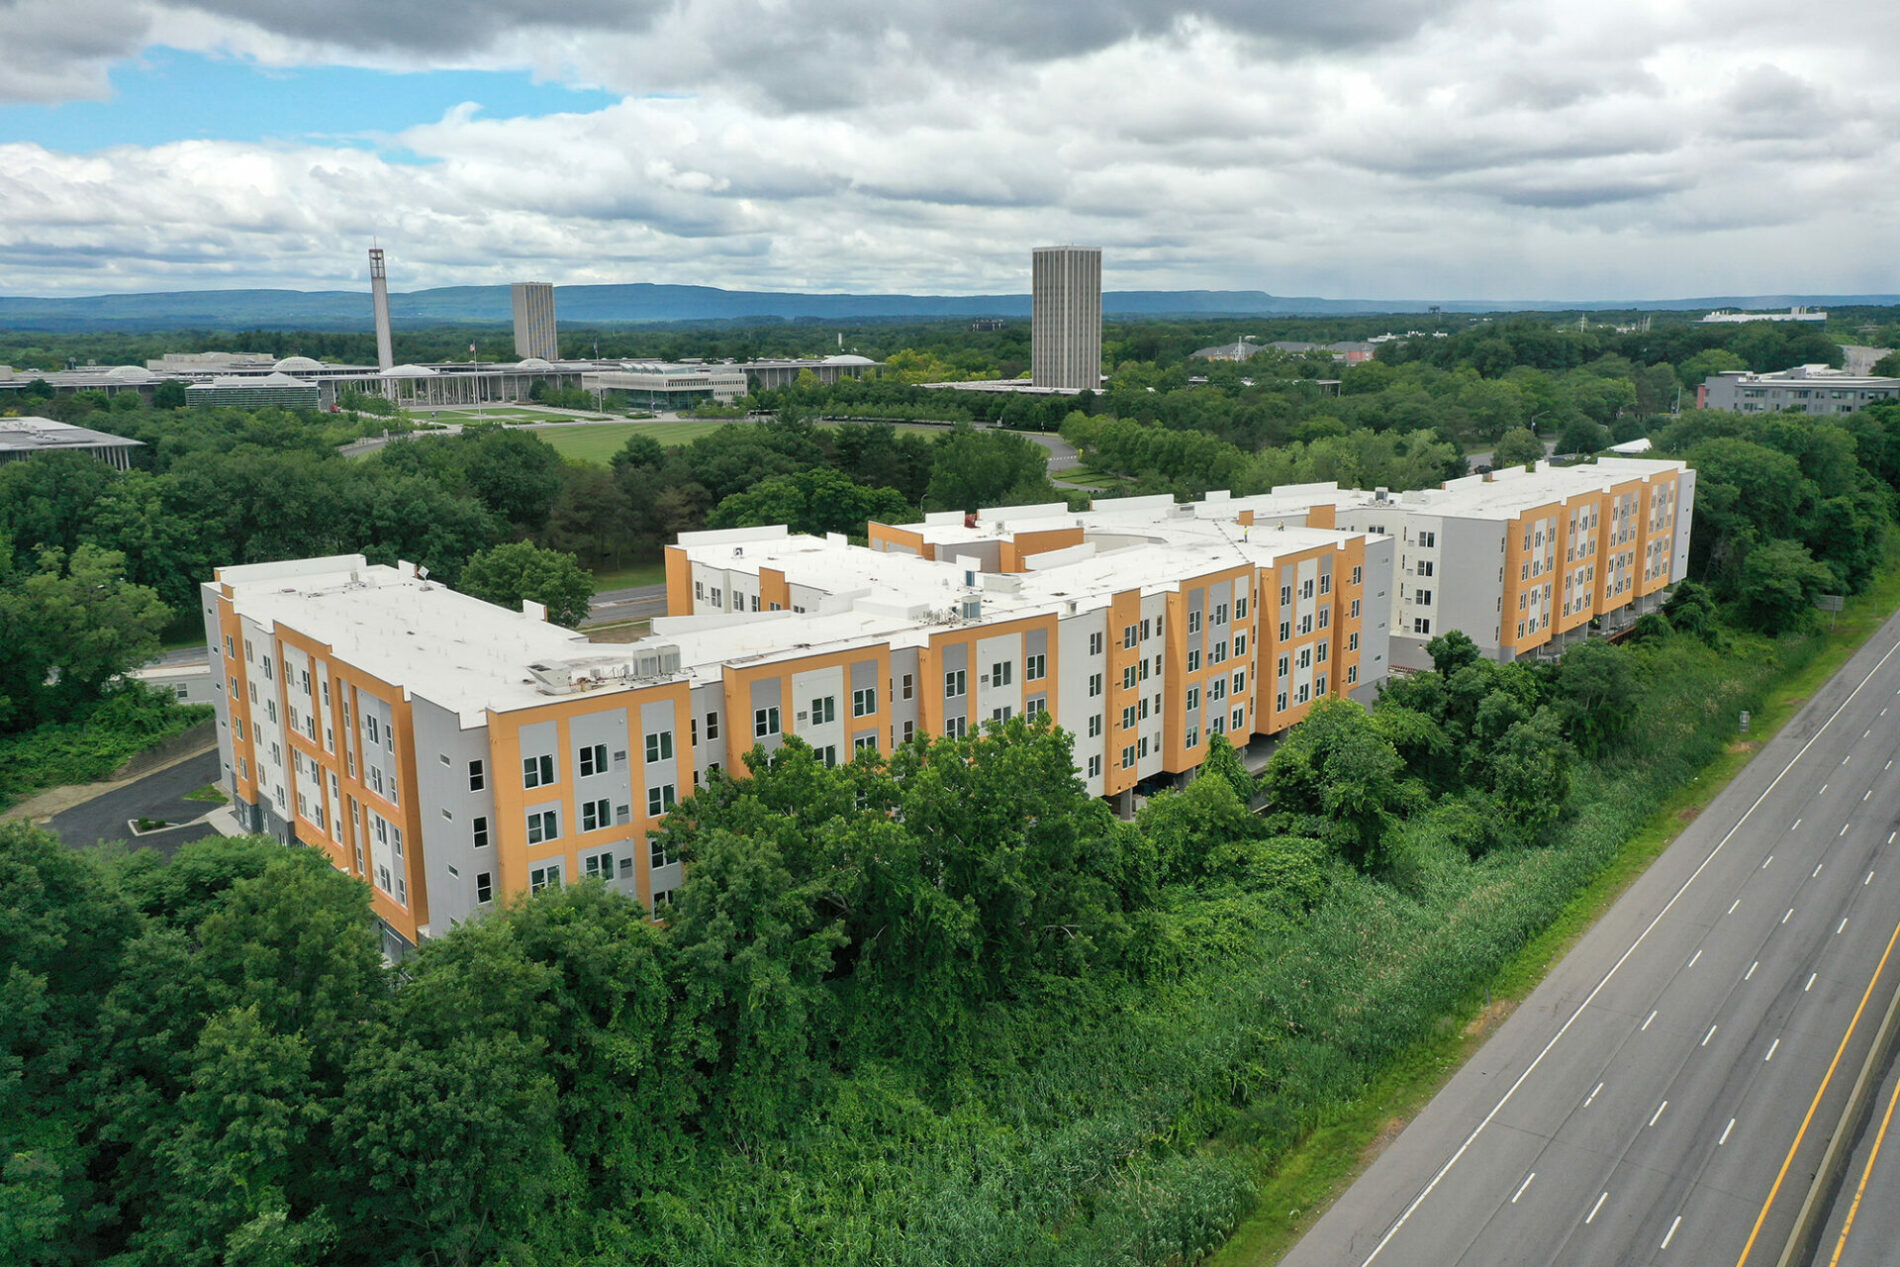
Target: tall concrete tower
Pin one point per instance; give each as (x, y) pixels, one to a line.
(379, 292)
(1065, 345)
(534, 321)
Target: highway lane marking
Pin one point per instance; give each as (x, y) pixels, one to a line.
(1772, 1049)
(1725, 1131)
(1698, 954)
(1847, 1225)
(1520, 1187)
(1670, 1235)
(1797, 823)
(1844, 827)
(1593, 1095)
(1751, 970)
(1784, 918)
(1765, 861)
(1823, 790)
(1865, 733)
(1732, 905)
(1658, 1113)
(1810, 984)
(1837, 932)
(1815, 1104)
(1652, 1016)
(1816, 871)
(1869, 880)
(1711, 1034)
(1537, 1061)
(1596, 1207)
(1864, 795)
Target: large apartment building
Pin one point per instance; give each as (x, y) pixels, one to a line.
(452, 753)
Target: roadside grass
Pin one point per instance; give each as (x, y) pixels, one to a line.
(633, 574)
(209, 792)
(1306, 1179)
(625, 631)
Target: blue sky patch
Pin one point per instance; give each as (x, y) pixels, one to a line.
(171, 95)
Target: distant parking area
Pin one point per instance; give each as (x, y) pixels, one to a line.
(159, 796)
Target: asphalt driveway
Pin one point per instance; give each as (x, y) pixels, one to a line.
(158, 795)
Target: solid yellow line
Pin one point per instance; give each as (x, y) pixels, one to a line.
(1848, 1226)
(1819, 1092)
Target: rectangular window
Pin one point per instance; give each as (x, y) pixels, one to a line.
(598, 865)
(1095, 767)
(1035, 668)
(1128, 717)
(907, 686)
(545, 877)
(1279, 702)
(956, 728)
(764, 722)
(1421, 625)
(477, 776)
(1240, 608)
(1428, 539)
(712, 725)
(1219, 725)
(596, 815)
(659, 746)
(1095, 726)
(955, 684)
(1240, 680)
(1194, 622)
(593, 760)
(1423, 598)
(1193, 698)
(1219, 654)
(1352, 642)
(863, 742)
(1325, 582)
(1239, 719)
(1217, 690)
(1352, 674)
(1131, 634)
(659, 799)
(864, 701)
(537, 771)
(824, 710)
(1034, 706)
(1220, 613)
(1095, 685)
(544, 826)
(1240, 644)
(267, 669)
(1193, 661)
(1356, 574)
(1319, 685)
(484, 886)
(1193, 737)
(478, 828)
(1353, 611)
(1128, 757)
(1002, 673)
(1128, 678)
(1286, 630)
(1095, 644)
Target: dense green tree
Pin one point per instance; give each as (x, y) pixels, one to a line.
(972, 469)
(1516, 447)
(70, 627)
(817, 501)
(1780, 582)
(515, 474)
(1597, 686)
(507, 574)
(1342, 776)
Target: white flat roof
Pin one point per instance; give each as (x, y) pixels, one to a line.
(453, 650)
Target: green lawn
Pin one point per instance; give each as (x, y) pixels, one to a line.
(598, 444)
(492, 413)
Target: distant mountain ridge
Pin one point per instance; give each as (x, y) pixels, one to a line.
(646, 302)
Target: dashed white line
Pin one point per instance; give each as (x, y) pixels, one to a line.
(1823, 790)
(1725, 1131)
(1698, 954)
(1843, 924)
(1816, 871)
(1520, 1187)
(1771, 1051)
(1652, 1016)
(1751, 970)
(1810, 984)
(1765, 861)
(1596, 1207)
(1865, 733)
(1592, 1095)
(1797, 823)
(1784, 918)
(1891, 835)
(1732, 905)
(1864, 795)
(1711, 1034)
(1405, 1216)
(1670, 1235)
(1658, 1113)
(1869, 880)
(1844, 827)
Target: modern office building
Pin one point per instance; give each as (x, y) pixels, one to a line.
(534, 321)
(655, 385)
(1808, 389)
(1796, 313)
(25, 437)
(1065, 342)
(255, 391)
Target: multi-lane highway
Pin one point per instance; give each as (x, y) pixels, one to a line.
(1666, 1094)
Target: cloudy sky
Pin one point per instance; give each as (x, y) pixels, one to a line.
(1467, 149)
